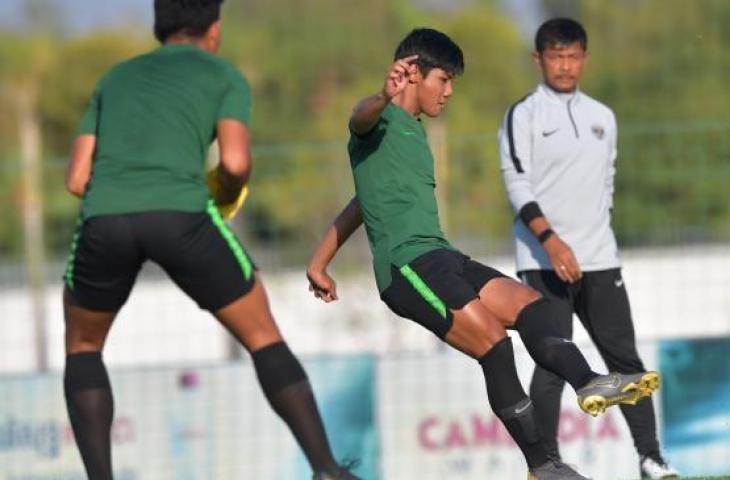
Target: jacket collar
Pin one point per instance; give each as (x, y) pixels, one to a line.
(552, 95)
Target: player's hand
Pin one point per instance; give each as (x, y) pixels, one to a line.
(397, 78)
(563, 260)
(228, 210)
(322, 285)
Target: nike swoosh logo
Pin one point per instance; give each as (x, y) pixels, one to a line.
(408, 132)
(619, 283)
(548, 133)
(523, 408)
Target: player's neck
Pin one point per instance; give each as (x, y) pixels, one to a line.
(561, 94)
(199, 42)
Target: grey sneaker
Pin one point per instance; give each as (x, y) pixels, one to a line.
(654, 466)
(343, 473)
(616, 388)
(554, 469)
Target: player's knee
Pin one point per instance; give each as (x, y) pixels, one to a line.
(483, 343)
(81, 346)
(529, 306)
(277, 368)
(477, 348)
(477, 340)
(527, 296)
(84, 340)
(521, 301)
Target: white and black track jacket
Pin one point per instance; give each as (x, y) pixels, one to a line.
(559, 150)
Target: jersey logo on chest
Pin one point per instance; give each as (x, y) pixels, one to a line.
(598, 131)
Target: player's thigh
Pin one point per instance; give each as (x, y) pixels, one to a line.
(86, 330)
(207, 261)
(475, 329)
(249, 318)
(501, 295)
(433, 292)
(418, 303)
(203, 257)
(103, 263)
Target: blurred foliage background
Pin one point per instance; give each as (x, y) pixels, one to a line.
(660, 64)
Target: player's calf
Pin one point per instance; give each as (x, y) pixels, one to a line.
(537, 326)
(90, 407)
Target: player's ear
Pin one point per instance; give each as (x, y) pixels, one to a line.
(213, 35)
(536, 57)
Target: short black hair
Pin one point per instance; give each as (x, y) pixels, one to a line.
(189, 17)
(560, 31)
(434, 50)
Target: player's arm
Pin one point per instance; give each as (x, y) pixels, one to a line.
(78, 171)
(348, 220)
(515, 148)
(367, 113)
(234, 168)
(561, 255)
(81, 159)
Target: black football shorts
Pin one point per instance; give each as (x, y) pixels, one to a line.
(197, 250)
(427, 289)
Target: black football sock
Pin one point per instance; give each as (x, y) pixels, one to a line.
(287, 389)
(510, 403)
(91, 409)
(554, 353)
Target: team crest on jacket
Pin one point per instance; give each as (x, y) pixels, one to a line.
(598, 131)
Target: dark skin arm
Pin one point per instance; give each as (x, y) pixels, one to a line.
(80, 162)
(365, 116)
(367, 113)
(235, 165)
(348, 220)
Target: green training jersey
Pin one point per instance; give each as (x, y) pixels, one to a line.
(394, 180)
(154, 118)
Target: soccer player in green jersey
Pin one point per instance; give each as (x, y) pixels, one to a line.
(138, 164)
(420, 276)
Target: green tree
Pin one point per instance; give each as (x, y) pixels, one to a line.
(20, 85)
(661, 65)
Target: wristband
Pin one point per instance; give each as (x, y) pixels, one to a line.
(529, 212)
(545, 234)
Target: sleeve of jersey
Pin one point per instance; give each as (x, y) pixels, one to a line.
(90, 120)
(515, 151)
(236, 101)
(611, 170)
(368, 137)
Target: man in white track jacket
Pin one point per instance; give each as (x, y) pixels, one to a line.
(558, 152)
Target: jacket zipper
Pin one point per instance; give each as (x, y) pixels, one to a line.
(570, 114)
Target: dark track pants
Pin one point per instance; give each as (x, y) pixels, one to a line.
(602, 305)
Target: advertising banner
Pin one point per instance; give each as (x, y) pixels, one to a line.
(188, 424)
(435, 423)
(696, 400)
